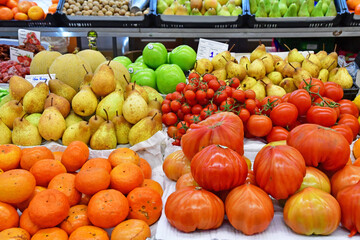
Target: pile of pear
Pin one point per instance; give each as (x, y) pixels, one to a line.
(270, 75)
(100, 114)
(292, 8)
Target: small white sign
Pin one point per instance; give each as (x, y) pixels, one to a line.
(21, 56)
(27, 36)
(209, 49)
(35, 79)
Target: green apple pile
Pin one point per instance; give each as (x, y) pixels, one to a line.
(159, 69)
(292, 8)
(200, 7)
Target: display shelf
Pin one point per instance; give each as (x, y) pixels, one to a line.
(194, 32)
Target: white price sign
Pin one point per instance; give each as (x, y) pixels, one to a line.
(35, 79)
(209, 49)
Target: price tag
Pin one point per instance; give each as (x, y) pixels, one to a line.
(27, 36)
(209, 49)
(35, 79)
(21, 56)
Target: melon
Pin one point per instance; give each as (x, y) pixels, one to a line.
(42, 61)
(94, 58)
(120, 72)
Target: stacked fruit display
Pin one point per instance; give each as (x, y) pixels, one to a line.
(293, 8)
(200, 8)
(24, 10)
(354, 6)
(57, 202)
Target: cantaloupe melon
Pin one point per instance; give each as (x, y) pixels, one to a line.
(119, 71)
(94, 58)
(42, 61)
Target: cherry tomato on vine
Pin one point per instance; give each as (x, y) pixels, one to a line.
(250, 94)
(222, 83)
(180, 87)
(214, 84)
(327, 102)
(187, 118)
(190, 95)
(259, 125)
(203, 102)
(180, 115)
(313, 85)
(210, 93)
(301, 99)
(324, 116)
(277, 133)
(333, 91)
(234, 82)
(194, 119)
(169, 118)
(176, 96)
(185, 108)
(166, 101)
(172, 131)
(284, 114)
(212, 107)
(205, 113)
(208, 77)
(190, 87)
(196, 109)
(168, 96)
(347, 106)
(200, 95)
(268, 103)
(177, 142)
(165, 108)
(219, 97)
(175, 105)
(239, 95)
(228, 91)
(244, 114)
(182, 127)
(250, 104)
(192, 102)
(226, 105)
(194, 75)
(350, 121)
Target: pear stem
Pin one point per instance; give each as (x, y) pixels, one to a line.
(335, 47)
(48, 71)
(232, 47)
(19, 101)
(323, 46)
(85, 69)
(22, 117)
(117, 113)
(154, 116)
(155, 99)
(126, 79)
(292, 66)
(107, 115)
(287, 47)
(109, 62)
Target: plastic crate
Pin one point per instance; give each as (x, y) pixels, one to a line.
(305, 22)
(100, 21)
(49, 21)
(15, 42)
(173, 21)
(350, 19)
(352, 92)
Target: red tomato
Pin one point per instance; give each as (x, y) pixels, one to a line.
(222, 83)
(234, 82)
(190, 95)
(228, 91)
(327, 102)
(187, 118)
(294, 125)
(210, 93)
(166, 101)
(350, 121)
(200, 95)
(182, 127)
(192, 102)
(277, 134)
(347, 106)
(194, 75)
(176, 142)
(345, 131)
(172, 131)
(301, 99)
(203, 86)
(175, 105)
(284, 114)
(180, 87)
(204, 101)
(165, 108)
(212, 107)
(238, 95)
(259, 125)
(250, 94)
(333, 91)
(220, 96)
(168, 96)
(195, 119)
(268, 103)
(205, 113)
(226, 106)
(214, 84)
(250, 104)
(313, 85)
(244, 114)
(180, 115)
(196, 109)
(176, 96)
(324, 116)
(185, 108)
(169, 118)
(208, 77)
(285, 98)
(191, 87)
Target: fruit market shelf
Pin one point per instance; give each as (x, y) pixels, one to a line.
(195, 32)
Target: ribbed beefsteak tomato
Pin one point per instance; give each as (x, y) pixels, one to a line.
(345, 177)
(317, 179)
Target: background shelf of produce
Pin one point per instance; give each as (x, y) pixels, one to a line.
(350, 19)
(49, 21)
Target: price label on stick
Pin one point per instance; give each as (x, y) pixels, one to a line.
(209, 49)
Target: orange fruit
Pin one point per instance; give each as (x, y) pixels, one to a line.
(6, 14)
(65, 183)
(97, 163)
(92, 180)
(36, 13)
(48, 208)
(357, 9)
(24, 6)
(21, 16)
(89, 233)
(23, 205)
(50, 234)
(9, 156)
(122, 155)
(3, 2)
(131, 229)
(27, 224)
(125, 177)
(45, 170)
(145, 204)
(57, 156)
(29, 156)
(33, 3)
(154, 185)
(14, 234)
(52, 8)
(75, 155)
(77, 217)
(145, 167)
(11, 4)
(15, 10)
(8, 216)
(108, 208)
(55, 1)
(16, 185)
(357, 162)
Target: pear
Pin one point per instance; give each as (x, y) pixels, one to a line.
(103, 81)
(275, 10)
(323, 75)
(268, 62)
(288, 85)
(195, 12)
(300, 75)
(332, 74)
(211, 12)
(275, 77)
(231, 5)
(134, 107)
(237, 11)
(181, 10)
(295, 64)
(5, 134)
(203, 66)
(280, 65)
(274, 90)
(330, 61)
(112, 103)
(317, 11)
(266, 80)
(87, 78)
(283, 7)
(18, 87)
(245, 62)
(24, 133)
(95, 122)
(257, 69)
(248, 83)
(122, 129)
(34, 99)
(259, 90)
(84, 102)
(238, 2)
(195, 4)
(276, 58)
(154, 104)
(9, 111)
(291, 11)
(321, 55)
(343, 78)
(325, 7)
(5, 99)
(61, 89)
(311, 68)
(153, 94)
(288, 70)
(295, 56)
(267, 6)
(311, 5)
(304, 10)
(104, 137)
(235, 70)
(52, 124)
(175, 5)
(59, 102)
(139, 89)
(312, 57)
(220, 74)
(144, 129)
(72, 118)
(79, 131)
(161, 6)
(168, 11)
(187, 4)
(220, 60)
(258, 52)
(224, 11)
(253, 6)
(34, 119)
(261, 12)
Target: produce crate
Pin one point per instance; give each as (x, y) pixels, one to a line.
(350, 19)
(305, 22)
(49, 21)
(173, 21)
(352, 92)
(101, 21)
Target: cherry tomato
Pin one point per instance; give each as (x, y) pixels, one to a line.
(168, 96)
(285, 98)
(212, 107)
(194, 75)
(194, 82)
(347, 106)
(350, 121)
(259, 125)
(234, 82)
(284, 114)
(226, 106)
(194, 119)
(324, 116)
(204, 101)
(214, 84)
(345, 131)
(208, 77)
(169, 118)
(192, 102)
(176, 96)
(301, 99)
(166, 101)
(222, 83)
(244, 114)
(205, 113)
(165, 108)
(189, 87)
(250, 104)
(175, 105)
(210, 93)
(185, 108)
(219, 97)
(172, 131)
(333, 91)
(277, 134)
(327, 102)
(203, 86)
(187, 118)
(182, 127)
(239, 95)
(180, 115)
(196, 109)
(268, 103)
(250, 94)
(190, 95)
(200, 95)
(313, 85)
(180, 87)
(177, 142)
(228, 91)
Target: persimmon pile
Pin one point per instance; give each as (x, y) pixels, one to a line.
(66, 195)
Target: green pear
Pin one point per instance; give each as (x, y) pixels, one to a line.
(181, 2)
(52, 124)
(5, 133)
(11, 110)
(275, 10)
(112, 103)
(122, 129)
(288, 85)
(181, 10)
(161, 6)
(275, 77)
(231, 5)
(104, 137)
(34, 99)
(169, 2)
(245, 62)
(59, 102)
(79, 131)
(18, 87)
(174, 6)
(317, 11)
(235, 70)
(61, 89)
(292, 11)
(224, 11)
(258, 52)
(304, 11)
(248, 83)
(218, 7)
(267, 6)
(210, 12)
(238, 2)
(323, 75)
(34, 119)
(72, 118)
(220, 60)
(24, 133)
(257, 69)
(331, 11)
(203, 66)
(196, 12)
(237, 11)
(259, 90)
(343, 78)
(311, 5)
(84, 102)
(283, 7)
(253, 6)
(94, 122)
(325, 7)
(261, 12)
(5, 99)
(168, 11)
(311, 68)
(297, 3)
(220, 74)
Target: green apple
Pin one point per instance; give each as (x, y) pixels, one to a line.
(134, 67)
(123, 60)
(140, 59)
(168, 76)
(184, 56)
(145, 77)
(154, 55)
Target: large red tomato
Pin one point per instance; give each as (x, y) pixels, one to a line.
(275, 165)
(259, 125)
(333, 91)
(350, 121)
(347, 106)
(345, 131)
(343, 178)
(277, 134)
(194, 208)
(317, 179)
(218, 168)
(249, 209)
(175, 165)
(349, 199)
(301, 99)
(223, 128)
(284, 114)
(313, 85)
(320, 145)
(312, 211)
(324, 116)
